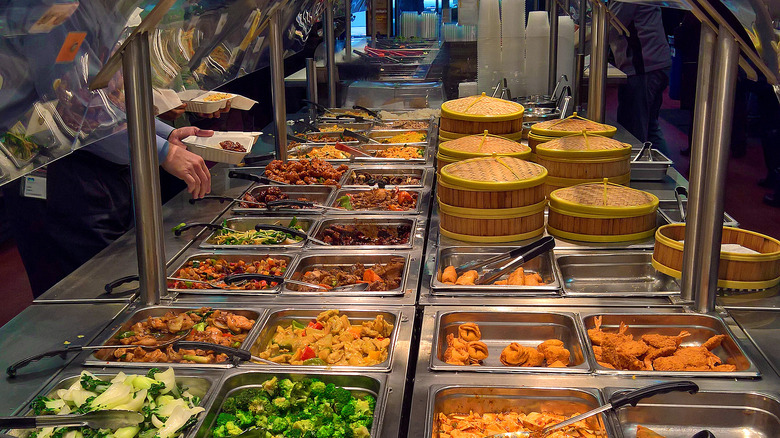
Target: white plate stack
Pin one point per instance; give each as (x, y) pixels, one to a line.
(566, 48)
(537, 47)
(488, 46)
(513, 45)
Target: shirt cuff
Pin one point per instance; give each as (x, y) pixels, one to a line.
(162, 129)
(162, 149)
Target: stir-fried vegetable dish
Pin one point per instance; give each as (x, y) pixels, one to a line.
(406, 137)
(363, 178)
(380, 277)
(405, 152)
(21, 148)
(327, 152)
(330, 339)
(358, 234)
(283, 408)
(167, 406)
(214, 270)
(227, 236)
(205, 325)
(379, 199)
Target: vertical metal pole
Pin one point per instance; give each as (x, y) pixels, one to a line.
(711, 214)
(372, 41)
(552, 74)
(579, 63)
(597, 97)
(311, 87)
(348, 31)
(330, 45)
(277, 86)
(147, 202)
(699, 140)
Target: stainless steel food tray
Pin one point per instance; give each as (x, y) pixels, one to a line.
(328, 137)
(651, 167)
(313, 260)
(352, 126)
(371, 148)
(351, 191)
(230, 257)
(458, 255)
(670, 211)
(248, 223)
(379, 133)
(681, 415)
(701, 328)
(284, 317)
(157, 311)
(419, 172)
(487, 399)
(375, 385)
(260, 171)
(317, 194)
(411, 222)
(599, 274)
(500, 329)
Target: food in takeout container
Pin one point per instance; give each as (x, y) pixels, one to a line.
(328, 338)
(222, 148)
(302, 172)
(209, 102)
(19, 148)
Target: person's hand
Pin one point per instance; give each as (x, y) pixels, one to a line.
(189, 168)
(177, 135)
(215, 114)
(173, 114)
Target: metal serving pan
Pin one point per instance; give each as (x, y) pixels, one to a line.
(458, 255)
(158, 311)
(369, 221)
(329, 260)
(418, 172)
(599, 274)
(260, 171)
(488, 399)
(317, 194)
(388, 126)
(500, 329)
(328, 137)
(230, 257)
(373, 149)
(284, 317)
(701, 328)
(651, 167)
(248, 223)
(375, 385)
(670, 211)
(352, 126)
(299, 152)
(379, 133)
(725, 414)
(352, 191)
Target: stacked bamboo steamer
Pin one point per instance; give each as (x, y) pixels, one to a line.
(602, 212)
(584, 158)
(475, 146)
(476, 114)
(553, 129)
(491, 199)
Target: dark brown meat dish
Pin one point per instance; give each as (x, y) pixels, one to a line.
(270, 194)
(379, 199)
(232, 146)
(369, 179)
(380, 277)
(303, 172)
(366, 234)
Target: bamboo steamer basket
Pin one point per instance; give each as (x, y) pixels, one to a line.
(535, 140)
(554, 183)
(491, 182)
(735, 271)
(571, 125)
(491, 225)
(475, 146)
(476, 114)
(602, 212)
(449, 136)
(443, 160)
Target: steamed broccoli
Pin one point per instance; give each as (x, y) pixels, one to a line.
(270, 385)
(277, 424)
(359, 431)
(317, 388)
(281, 403)
(245, 418)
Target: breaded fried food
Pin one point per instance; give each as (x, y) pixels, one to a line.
(553, 351)
(449, 275)
(468, 279)
(535, 358)
(644, 432)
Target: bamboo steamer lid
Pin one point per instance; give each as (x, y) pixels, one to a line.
(569, 125)
(483, 145)
(493, 174)
(603, 200)
(482, 108)
(583, 146)
(448, 136)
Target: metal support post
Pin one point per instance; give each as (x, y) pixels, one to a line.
(579, 63)
(597, 98)
(330, 45)
(710, 218)
(311, 87)
(147, 202)
(552, 75)
(699, 139)
(348, 24)
(277, 86)
(372, 41)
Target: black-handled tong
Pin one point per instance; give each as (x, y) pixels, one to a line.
(527, 252)
(303, 235)
(252, 177)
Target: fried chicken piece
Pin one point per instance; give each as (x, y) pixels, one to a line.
(557, 364)
(598, 352)
(468, 278)
(713, 342)
(725, 367)
(449, 275)
(549, 343)
(599, 337)
(624, 355)
(687, 359)
(644, 432)
(535, 358)
(605, 365)
(662, 341)
(553, 351)
(458, 343)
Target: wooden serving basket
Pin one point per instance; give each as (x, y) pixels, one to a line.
(554, 183)
(476, 114)
(482, 145)
(735, 271)
(491, 225)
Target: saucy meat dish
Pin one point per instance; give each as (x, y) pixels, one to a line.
(304, 172)
(380, 277)
(365, 234)
(205, 324)
(408, 124)
(364, 178)
(214, 270)
(330, 339)
(270, 194)
(476, 425)
(379, 199)
(232, 146)
(620, 351)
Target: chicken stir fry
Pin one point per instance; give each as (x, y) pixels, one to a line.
(204, 325)
(380, 277)
(621, 351)
(476, 425)
(379, 199)
(331, 339)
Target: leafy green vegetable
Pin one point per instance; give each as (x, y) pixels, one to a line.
(92, 384)
(345, 202)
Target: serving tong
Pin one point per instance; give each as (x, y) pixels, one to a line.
(256, 178)
(516, 256)
(107, 419)
(271, 205)
(217, 227)
(646, 147)
(617, 401)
